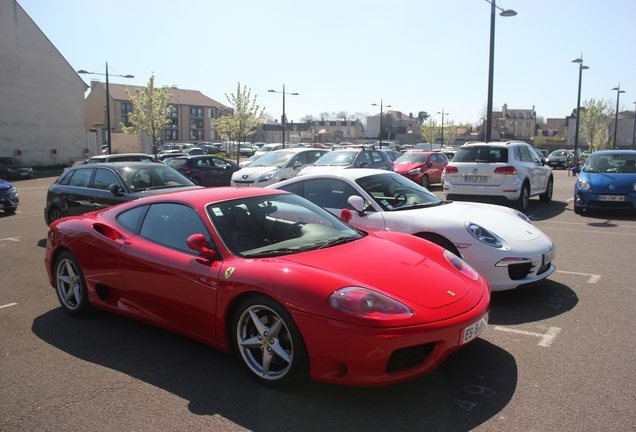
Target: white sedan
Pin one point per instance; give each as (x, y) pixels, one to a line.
(500, 243)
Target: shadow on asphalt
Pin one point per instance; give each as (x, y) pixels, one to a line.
(470, 387)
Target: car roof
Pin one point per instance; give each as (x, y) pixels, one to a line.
(350, 174)
(116, 165)
(492, 144)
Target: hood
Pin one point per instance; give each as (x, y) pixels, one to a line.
(4, 185)
(417, 276)
(601, 182)
(252, 172)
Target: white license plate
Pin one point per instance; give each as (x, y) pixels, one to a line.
(474, 330)
(612, 198)
(476, 179)
(549, 257)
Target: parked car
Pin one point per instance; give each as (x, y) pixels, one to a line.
(268, 148)
(205, 170)
(560, 159)
(508, 172)
(502, 244)
(247, 162)
(209, 148)
(449, 152)
(350, 158)
(291, 289)
(275, 166)
(245, 150)
(9, 199)
(167, 157)
(392, 154)
(123, 157)
(85, 188)
(424, 168)
(11, 168)
(607, 181)
(194, 151)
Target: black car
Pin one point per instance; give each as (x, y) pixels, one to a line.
(205, 170)
(84, 188)
(12, 168)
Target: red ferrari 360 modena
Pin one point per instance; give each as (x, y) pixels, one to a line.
(266, 274)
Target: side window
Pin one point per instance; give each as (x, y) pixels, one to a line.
(525, 154)
(131, 219)
(219, 162)
(377, 157)
(329, 193)
(81, 178)
(104, 178)
(65, 178)
(171, 224)
(364, 159)
(300, 157)
(517, 154)
(313, 156)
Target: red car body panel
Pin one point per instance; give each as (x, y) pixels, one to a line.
(434, 171)
(195, 296)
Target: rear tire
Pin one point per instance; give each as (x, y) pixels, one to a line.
(55, 213)
(547, 195)
(70, 285)
(197, 181)
(524, 199)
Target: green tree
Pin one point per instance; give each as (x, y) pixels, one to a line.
(430, 130)
(539, 141)
(245, 119)
(595, 116)
(450, 132)
(150, 111)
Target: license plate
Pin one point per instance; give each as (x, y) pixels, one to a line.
(549, 257)
(612, 198)
(476, 179)
(474, 330)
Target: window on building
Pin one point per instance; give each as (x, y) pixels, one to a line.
(126, 108)
(196, 135)
(220, 110)
(170, 134)
(196, 112)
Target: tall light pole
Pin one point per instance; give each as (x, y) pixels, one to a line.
(283, 118)
(578, 110)
(381, 115)
(442, 113)
(618, 95)
(491, 64)
(82, 71)
(634, 133)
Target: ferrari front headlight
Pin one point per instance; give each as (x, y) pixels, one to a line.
(368, 303)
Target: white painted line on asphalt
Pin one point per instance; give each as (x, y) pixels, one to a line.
(546, 338)
(7, 305)
(593, 278)
(15, 239)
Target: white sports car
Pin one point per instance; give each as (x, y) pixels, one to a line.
(500, 243)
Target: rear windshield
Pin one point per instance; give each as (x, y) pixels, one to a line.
(482, 154)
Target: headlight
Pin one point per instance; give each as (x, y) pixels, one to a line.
(583, 184)
(267, 176)
(12, 192)
(634, 187)
(415, 171)
(522, 216)
(460, 265)
(484, 235)
(367, 303)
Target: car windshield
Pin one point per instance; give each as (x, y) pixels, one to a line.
(481, 154)
(9, 161)
(611, 163)
(337, 158)
(411, 158)
(562, 153)
(393, 192)
(274, 225)
(152, 176)
(276, 158)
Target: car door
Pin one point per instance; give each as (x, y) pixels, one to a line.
(98, 194)
(169, 282)
(437, 162)
(534, 169)
(73, 193)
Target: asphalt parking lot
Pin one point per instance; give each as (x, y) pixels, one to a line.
(556, 356)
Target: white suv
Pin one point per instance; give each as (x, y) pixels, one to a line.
(504, 171)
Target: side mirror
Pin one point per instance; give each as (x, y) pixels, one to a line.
(357, 202)
(431, 163)
(115, 189)
(363, 164)
(297, 165)
(199, 244)
(576, 170)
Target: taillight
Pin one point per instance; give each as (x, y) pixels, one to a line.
(185, 170)
(450, 169)
(506, 170)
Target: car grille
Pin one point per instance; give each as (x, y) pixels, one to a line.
(3, 194)
(405, 358)
(243, 183)
(519, 271)
(612, 204)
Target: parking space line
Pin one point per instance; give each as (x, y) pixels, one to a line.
(546, 338)
(593, 278)
(7, 305)
(15, 239)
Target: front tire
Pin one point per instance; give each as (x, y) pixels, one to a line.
(547, 195)
(524, 199)
(197, 181)
(269, 343)
(425, 181)
(70, 285)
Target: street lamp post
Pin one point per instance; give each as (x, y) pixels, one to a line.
(578, 110)
(381, 115)
(283, 118)
(634, 132)
(82, 71)
(442, 113)
(618, 95)
(491, 63)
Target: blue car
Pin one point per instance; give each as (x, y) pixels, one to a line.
(607, 181)
(8, 197)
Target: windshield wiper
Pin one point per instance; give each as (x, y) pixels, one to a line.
(279, 251)
(339, 240)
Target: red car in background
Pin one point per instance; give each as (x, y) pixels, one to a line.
(290, 288)
(423, 167)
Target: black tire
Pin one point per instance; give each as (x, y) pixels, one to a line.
(197, 181)
(440, 241)
(425, 182)
(524, 199)
(547, 195)
(55, 213)
(269, 343)
(578, 210)
(70, 285)
(10, 210)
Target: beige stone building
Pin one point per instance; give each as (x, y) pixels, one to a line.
(515, 123)
(41, 96)
(190, 117)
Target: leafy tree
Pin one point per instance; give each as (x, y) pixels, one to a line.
(595, 116)
(150, 111)
(539, 141)
(246, 116)
(450, 132)
(430, 130)
(422, 116)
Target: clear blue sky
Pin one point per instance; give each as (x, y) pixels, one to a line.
(415, 55)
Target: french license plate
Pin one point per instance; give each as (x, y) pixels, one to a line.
(612, 198)
(549, 257)
(476, 179)
(473, 330)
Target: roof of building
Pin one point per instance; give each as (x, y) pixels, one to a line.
(179, 96)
